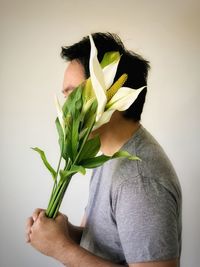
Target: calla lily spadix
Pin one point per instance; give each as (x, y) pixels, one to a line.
(101, 80)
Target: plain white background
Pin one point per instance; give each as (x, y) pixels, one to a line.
(31, 72)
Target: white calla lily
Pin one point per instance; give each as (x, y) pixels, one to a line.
(123, 98)
(101, 81)
(121, 101)
(60, 114)
(109, 73)
(97, 79)
(105, 117)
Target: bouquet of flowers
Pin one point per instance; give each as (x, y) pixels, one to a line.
(88, 107)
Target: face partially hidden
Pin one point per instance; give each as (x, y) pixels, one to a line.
(73, 76)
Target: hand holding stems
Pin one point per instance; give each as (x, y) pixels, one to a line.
(47, 235)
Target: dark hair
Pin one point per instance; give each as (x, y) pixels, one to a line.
(131, 63)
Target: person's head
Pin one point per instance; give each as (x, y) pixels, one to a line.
(130, 63)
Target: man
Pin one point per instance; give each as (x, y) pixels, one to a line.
(133, 216)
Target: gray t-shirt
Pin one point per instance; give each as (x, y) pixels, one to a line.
(134, 208)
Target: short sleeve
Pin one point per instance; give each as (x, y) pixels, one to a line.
(146, 218)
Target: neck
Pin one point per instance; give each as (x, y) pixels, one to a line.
(116, 133)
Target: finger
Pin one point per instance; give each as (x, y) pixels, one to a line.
(29, 224)
(42, 215)
(60, 217)
(36, 213)
(27, 238)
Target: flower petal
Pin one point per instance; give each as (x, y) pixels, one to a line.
(109, 57)
(104, 118)
(123, 98)
(60, 114)
(97, 79)
(109, 73)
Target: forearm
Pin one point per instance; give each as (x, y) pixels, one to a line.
(75, 232)
(74, 256)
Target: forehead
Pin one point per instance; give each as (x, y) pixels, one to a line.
(74, 73)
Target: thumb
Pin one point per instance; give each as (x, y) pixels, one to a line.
(60, 217)
(42, 215)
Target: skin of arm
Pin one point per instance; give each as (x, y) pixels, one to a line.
(75, 232)
(59, 239)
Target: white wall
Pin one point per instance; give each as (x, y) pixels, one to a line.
(31, 34)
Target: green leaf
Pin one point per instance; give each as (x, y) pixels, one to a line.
(60, 134)
(83, 133)
(72, 109)
(90, 149)
(78, 168)
(100, 160)
(88, 124)
(46, 163)
(75, 137)
(125, 154)
(109, 57)
(68, 146)
(95, 162)
(64, 174)
(90, 115)
(70, 103)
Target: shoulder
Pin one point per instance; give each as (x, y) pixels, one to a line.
(153, 162)
(153, 173)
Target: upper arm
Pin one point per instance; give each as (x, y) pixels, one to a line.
(172, 263)
(147, 222)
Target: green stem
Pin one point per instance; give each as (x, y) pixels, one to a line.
(52, 199)
(60, 199)
(57, 198)
(59, 189)
(55, 182)
(58, 168)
